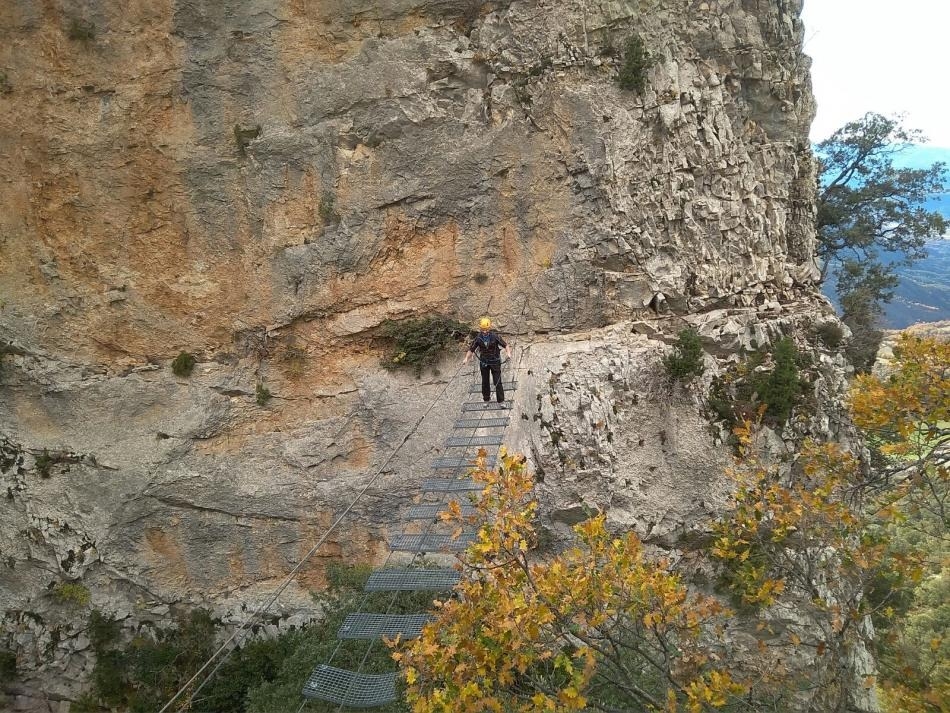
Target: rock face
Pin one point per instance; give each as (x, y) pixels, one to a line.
(263, 183)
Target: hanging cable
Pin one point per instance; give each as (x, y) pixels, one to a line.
(226, 647)
(476, 380)
(289, 578)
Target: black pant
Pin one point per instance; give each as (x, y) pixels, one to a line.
(495, 369)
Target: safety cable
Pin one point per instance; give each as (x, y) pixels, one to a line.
(476, 380)
(366, 595)
(289, 578)
(372, 642)
(416, 557)
(481, 415)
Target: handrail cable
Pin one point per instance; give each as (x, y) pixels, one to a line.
(313, 550)
(429, 526)
(290, 576)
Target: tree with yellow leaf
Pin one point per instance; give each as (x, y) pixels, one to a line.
(807, 551)
(800, 542)
(826, 537)
(905, 415)
(598, 627)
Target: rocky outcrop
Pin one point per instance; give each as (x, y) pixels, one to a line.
(606, 431)
(262, 184)
(192, 171)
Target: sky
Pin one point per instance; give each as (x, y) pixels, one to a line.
(888, 56)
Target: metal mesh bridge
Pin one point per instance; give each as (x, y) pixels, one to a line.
(481, 427)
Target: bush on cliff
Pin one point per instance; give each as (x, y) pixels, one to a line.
(636, 62)
(686, 361)
(264, 675)
(780, 389)
(830, 333)
(183, 364)
(418, 343)
(747, 389)
(142, 674)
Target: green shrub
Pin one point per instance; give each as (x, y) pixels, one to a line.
(862, 314)
(781, 389)
(7, 665)
(44, 461)
(86, 703)
(418, 343)
(261, 675)
(103, 631)
(80, 30)
(71, 593)
(144, 673)
(263, 394)
(327, 210)
(183, 364)
(254, 664)
(721, 402)
(243, 137)
(347, 576)
(108, 675)
(745, 389)
(636, 62)
(318, 643)
(5, 88)
(830, 334)
(686, 361)
(109, 682)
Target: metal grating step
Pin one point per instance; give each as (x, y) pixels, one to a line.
(463, 441)
(379, 626)
(482, 406)
(412, 580)
(507, 385)
(431, 543)
(481, 423)
(348, 688)
(451, 485)
(431, 512)
(460, 462)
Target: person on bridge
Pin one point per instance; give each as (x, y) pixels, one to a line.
(488, 345)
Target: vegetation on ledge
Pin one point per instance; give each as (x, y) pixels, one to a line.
(418, 344)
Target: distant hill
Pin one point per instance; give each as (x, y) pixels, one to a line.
(923, 294)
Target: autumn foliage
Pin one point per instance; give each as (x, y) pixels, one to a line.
(810, 552)
(906, 418)
(599, 626)
(851, 542)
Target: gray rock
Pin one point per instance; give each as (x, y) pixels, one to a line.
(410, 159)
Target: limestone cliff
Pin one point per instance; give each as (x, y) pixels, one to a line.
(263, 183)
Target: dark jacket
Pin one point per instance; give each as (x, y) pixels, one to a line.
(488, 347)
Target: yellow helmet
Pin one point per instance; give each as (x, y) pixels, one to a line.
(484, 323)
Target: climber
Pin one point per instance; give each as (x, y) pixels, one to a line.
(487, 344)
